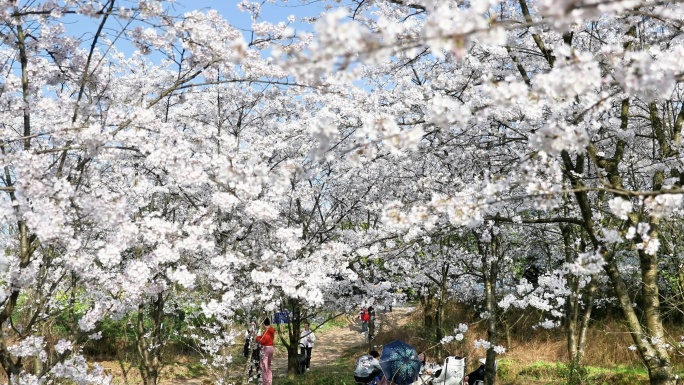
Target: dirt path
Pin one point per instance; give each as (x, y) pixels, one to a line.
(331, 343)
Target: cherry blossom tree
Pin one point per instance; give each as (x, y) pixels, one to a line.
(162, 153)
(95, 172)
(559, 85)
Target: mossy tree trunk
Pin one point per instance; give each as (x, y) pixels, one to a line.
(491, 254)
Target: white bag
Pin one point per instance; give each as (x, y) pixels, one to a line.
(453, 371)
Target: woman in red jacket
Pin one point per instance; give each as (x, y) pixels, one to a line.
(266, 340)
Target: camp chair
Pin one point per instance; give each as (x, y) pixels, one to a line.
(453, 371)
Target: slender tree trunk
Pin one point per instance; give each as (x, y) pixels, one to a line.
(426, 303)
(10, 365)
(507, 331)
(439, 308)
(371, 332)
(293, 331)
(586, 317)
(576, 316)
(491, 269)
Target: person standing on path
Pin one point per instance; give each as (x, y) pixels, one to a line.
(266, 340)
(306, 342)
(371, 323)
(364, 315)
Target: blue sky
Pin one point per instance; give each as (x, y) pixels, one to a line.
(273, 12)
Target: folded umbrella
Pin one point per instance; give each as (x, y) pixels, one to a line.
(399, 362)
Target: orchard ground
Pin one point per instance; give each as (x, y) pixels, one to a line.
(529, 361)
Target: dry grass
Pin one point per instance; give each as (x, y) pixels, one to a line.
(182, 370)
(538, 356)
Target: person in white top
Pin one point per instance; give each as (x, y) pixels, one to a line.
(307, 338)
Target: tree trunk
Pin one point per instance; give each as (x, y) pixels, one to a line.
(292, 360)
(647, 331)
(426, 303)
(10, 365)
(491, 270)
(490, 252)
(371, 332)
(439, 309)
(293, 331)
(507, 331)
(576, 316)
(149, 347)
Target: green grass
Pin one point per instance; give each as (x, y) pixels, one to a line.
(542, 372)
(196, 369)
(537, 370)
(335, 323)
(339, 374)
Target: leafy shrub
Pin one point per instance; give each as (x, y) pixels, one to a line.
(574, 374)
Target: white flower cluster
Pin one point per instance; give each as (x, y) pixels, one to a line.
(587, 263)
(648, 245)
(262, 210)
(548, 324)
(182, 276)
(63, 346)
(662, 206)
(481, 344)
(290, 238)
(620, 207)
(394, 217)
(569, 78)
(462, 328)
(447, 339)
(451, 28)
(545, 193)
(648, 74)
(385, 129)
(459, 334)
(28, 347)
(611, 236)
(78, 370)
(484, 344)
(444, 112)
(89, 320)
(461, 210)
(557, 136)
(657, 342)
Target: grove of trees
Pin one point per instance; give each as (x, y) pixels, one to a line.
(165, 170)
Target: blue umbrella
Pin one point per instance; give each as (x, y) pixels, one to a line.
(399, 362)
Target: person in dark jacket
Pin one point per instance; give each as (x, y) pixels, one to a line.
(478, 374)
